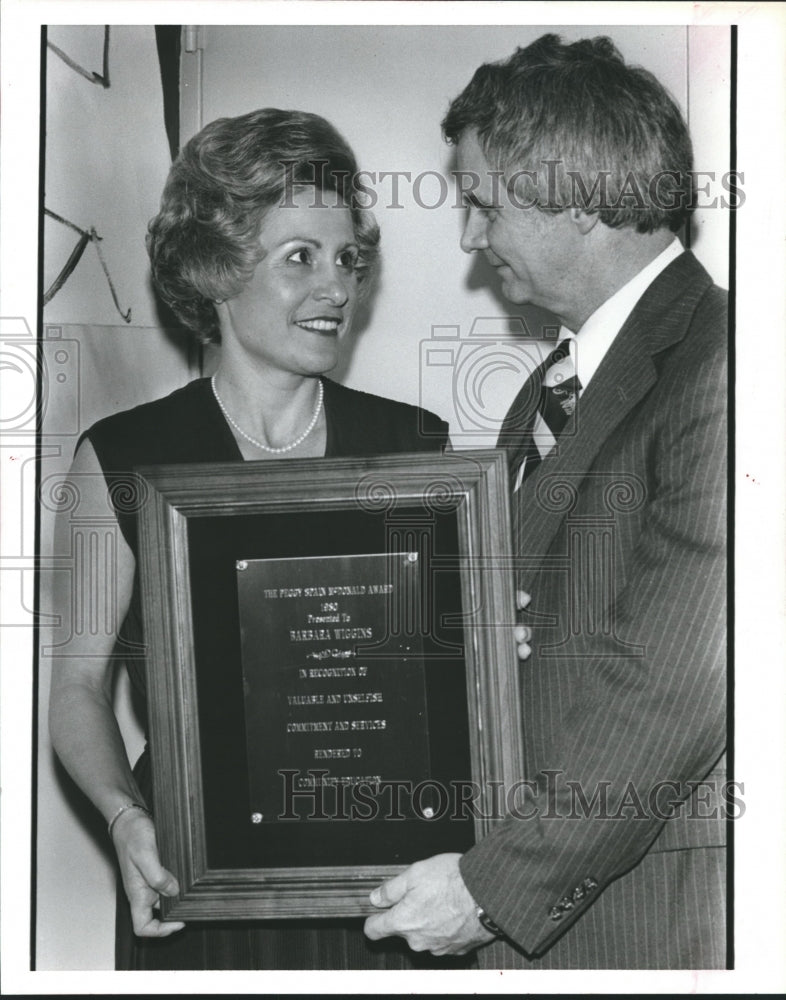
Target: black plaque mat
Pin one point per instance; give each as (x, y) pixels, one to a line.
(334, 684)
(215, 544)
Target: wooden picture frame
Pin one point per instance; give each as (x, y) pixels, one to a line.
(228, 870)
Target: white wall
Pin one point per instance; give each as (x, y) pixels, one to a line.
(386, 89)
(709, 117)
(106, 163)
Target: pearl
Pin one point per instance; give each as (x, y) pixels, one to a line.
(266, 447)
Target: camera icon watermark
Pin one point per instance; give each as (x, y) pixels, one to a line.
(472, 376)
(39, 377)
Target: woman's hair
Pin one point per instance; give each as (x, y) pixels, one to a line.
(204, 243)
(588, 130)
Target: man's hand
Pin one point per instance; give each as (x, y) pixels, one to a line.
(430, 907)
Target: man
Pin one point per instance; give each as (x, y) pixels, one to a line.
(577, 173)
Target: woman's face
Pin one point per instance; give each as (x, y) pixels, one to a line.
(301, 299)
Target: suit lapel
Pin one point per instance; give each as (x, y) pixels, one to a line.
(625, 376)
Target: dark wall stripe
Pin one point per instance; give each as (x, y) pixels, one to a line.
(168, 45)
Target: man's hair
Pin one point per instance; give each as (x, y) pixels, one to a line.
(204, 243)
(598, 134)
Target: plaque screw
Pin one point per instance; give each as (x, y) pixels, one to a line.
(428, 812)
(256, 817)
(241, 564)
(412, 556)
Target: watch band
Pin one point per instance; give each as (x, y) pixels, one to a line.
(488, 923)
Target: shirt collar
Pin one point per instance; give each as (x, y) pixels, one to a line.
(598, 332)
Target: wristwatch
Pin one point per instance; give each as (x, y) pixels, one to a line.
(488, 923)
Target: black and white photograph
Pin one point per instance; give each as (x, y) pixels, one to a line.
(393, 538)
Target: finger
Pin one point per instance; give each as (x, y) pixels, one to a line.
(442, 951)
(158, 928)
(158, 877)
(389, 892)
(378, 926)
(167, 927)
(522, 599)
(387, 924)
(142, 916)
(167, 884)
(141, 900)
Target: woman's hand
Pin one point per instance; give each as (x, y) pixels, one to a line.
(522, 633)
(144, 877)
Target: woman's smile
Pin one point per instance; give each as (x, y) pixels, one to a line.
(301, 298)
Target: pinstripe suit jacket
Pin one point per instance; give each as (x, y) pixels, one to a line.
(621, 541)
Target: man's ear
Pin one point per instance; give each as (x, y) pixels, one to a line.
(585, 222)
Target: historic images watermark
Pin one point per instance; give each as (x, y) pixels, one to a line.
(554, 186)
(317, 795)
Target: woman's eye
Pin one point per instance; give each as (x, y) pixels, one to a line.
(300, 256)
(348, 259)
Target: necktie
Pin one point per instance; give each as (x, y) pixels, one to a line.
(545, 403)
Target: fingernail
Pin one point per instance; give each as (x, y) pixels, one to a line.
(374, 897)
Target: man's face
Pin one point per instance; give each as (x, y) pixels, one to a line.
(533, 252)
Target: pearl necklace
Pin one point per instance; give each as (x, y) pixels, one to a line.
(266, 447)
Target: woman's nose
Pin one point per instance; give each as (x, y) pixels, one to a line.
(474, 235)
(333, 287)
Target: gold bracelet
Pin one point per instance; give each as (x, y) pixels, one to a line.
(125, 808)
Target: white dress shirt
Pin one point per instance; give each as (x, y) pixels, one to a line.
(590, 344)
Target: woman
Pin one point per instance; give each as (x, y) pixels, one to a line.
(258, 247)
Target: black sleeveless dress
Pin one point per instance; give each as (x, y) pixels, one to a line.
(188, 426)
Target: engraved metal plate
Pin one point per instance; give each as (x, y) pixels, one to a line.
(333, 675)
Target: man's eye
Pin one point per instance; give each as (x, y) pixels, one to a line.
(487, 211)
(301, 256)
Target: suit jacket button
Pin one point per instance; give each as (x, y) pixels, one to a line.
(566, 903)
(590, 884)
(578, 893)
(555, 913)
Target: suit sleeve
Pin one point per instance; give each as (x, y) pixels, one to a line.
(639, 729)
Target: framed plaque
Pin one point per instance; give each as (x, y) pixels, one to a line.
(333, 681)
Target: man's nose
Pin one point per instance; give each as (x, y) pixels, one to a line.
(474, 235)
